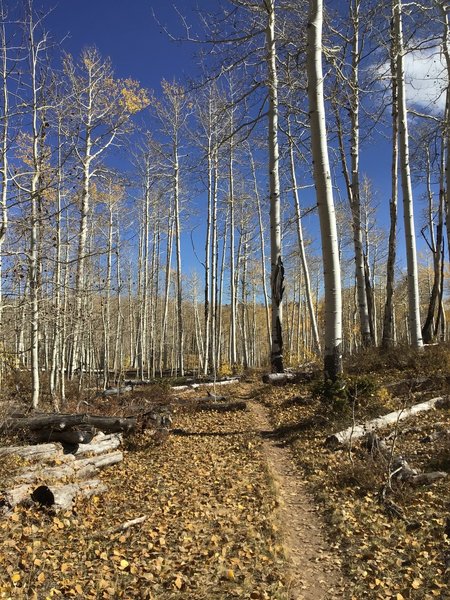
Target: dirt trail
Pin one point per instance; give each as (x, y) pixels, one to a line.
(314, 571)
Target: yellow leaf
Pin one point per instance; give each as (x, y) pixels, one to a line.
(178, 582)
(399, 597)
(416, 584)
(65, 567)
(41, 577)
(124, 563)
(78, 589)
(230, 574)
(15, 577)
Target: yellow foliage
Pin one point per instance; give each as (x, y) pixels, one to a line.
(133, 98)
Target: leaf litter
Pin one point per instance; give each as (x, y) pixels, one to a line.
(209, 531)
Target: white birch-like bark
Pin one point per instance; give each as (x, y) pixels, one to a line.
(165, 315)
(301, 245)
(446, 52)
(277, 269)
(56, 347)
(4, 133)
(263, 248)
(233, 298)
(176, 197)
(35, 192)
(324, 192)
(388, 338)
(408, 205)
(207, 307)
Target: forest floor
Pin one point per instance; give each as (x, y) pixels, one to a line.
(246, 504)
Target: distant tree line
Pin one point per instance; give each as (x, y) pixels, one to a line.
(93, 278)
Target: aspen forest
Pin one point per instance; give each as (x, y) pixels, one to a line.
(224, 300)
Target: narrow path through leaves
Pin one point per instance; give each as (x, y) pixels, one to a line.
(314, 570)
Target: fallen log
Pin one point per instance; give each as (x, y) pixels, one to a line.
(101, 444)
(125, 526)
(194, 386)
(357, 431)
(65, 437)
(117, 391)
(399, 467)
(278, 378)
(14, 496)
(81, 469)
(59, 422)
(222, 406)
(213, 398)
(62, 497)
(35, 452)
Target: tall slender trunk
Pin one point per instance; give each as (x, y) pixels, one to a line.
(163, 341)
(277, 268)
(446, 51)
(233, 303)
(429, 328)
(324, 193)
(207, 307)
(263, 249)
(56, 357)
(388, 338)
(408, 206)
(301, 244)
(35, 192)
(176, 196)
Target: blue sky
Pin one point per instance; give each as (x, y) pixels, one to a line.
(128, 33)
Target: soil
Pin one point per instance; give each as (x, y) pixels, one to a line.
(314, 572)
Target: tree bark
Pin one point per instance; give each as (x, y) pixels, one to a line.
(277, 268)
(408, 207)
(322, 178)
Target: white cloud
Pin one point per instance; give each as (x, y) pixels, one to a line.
(426, 80)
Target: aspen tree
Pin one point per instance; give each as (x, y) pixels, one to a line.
(5, 71)
(388, 317)
(277, 268)
(324, 193)
(301, 243)
(262, 245)
(408, 205)
(102, 107)
(172, 113)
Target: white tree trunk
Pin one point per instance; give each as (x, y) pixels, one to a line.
(408, 206)
(301, 245)
(324, 192)
(277, 269)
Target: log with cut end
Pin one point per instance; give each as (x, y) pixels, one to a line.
(12, 497)
(62, 497)
(24, 483)
(65, 437)
(357, 431)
